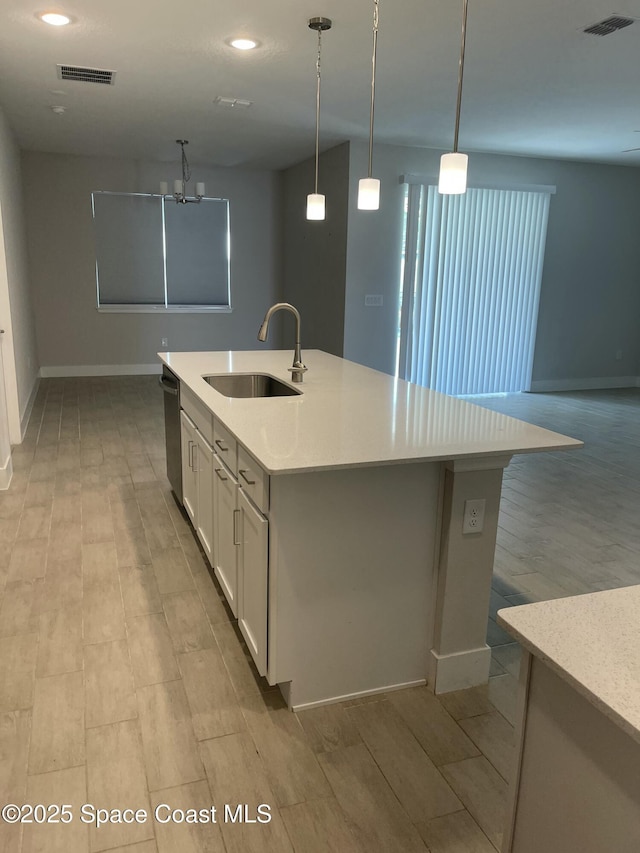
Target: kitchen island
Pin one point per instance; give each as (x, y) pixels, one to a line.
(576, 784)
(338, 520)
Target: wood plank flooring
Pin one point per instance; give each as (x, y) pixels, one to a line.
(124, 681)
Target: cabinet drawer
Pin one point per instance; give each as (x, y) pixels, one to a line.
(198, 412)
(253, 480)
(225, 446)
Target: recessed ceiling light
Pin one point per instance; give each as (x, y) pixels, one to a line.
(243, 44)
(56, 19)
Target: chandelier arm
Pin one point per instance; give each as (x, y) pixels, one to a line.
(186, 170)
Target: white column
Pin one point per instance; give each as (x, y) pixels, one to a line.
(460, 656)
(6, 468)
(9, 375)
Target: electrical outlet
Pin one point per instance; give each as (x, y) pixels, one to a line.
(164, 342)
(473, 519)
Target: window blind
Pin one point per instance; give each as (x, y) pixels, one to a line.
(151, 251)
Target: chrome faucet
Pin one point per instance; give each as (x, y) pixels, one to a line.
(298, 370)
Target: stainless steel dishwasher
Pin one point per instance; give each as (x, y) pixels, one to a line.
(170, 384)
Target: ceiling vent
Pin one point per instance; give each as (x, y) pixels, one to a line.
(86, 75)
(609, 25)
(233, 103)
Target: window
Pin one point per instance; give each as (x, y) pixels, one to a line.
(153, 254)
(472, 271)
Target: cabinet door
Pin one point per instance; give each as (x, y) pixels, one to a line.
(204, 468)
(189, 470)
(253, 580)
(225, 489)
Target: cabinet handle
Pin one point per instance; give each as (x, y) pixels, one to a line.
(236, 513)
(191, 445)
(243, 474)
(220, 444)
(219, 473)
(167, 386)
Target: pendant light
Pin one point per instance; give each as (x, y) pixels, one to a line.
(369, 188)
(315, 200)
(453, 166)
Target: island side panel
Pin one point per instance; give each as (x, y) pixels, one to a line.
(351, 559)
(579, 781)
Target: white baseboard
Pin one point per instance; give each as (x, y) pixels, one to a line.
(6, 472)
(597, 383)
(459, 670)
(24, 420)
(306, 706)
(60, 371)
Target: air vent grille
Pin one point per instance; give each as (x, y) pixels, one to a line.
(609, 25)
(86, 75)
(232, 103)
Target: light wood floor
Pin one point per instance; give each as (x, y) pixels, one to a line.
(124, 682)
(568, 521)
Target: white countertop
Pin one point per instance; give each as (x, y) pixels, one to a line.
(592, 641)
(350, 416)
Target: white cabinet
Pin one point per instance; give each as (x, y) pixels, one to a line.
(189, 474)
(242, 540)
(204, 477)
(253, 479)
(225, 446)
(253, 577)
(197, 482)
(226, 513)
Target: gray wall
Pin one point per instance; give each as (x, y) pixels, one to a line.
(315, 253)
(19, 347)
(70, 331)
(590, 298)
(590, 301)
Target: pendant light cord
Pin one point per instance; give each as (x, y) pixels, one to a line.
(318, 105)
(460, 74)
(373, 83)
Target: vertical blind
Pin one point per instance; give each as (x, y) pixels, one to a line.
(471, 286)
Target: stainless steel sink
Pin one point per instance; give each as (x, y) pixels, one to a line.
(249, 385)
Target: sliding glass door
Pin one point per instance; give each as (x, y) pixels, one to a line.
(471, 285)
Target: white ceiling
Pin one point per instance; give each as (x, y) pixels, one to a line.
(535, 84)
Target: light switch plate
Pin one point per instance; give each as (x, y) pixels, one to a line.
(373, 300)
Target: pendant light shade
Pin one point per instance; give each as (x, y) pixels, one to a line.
(315, 206)
(453, 174)
(369, 188)
(453, 166)
(368, 194)
(315, 200)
